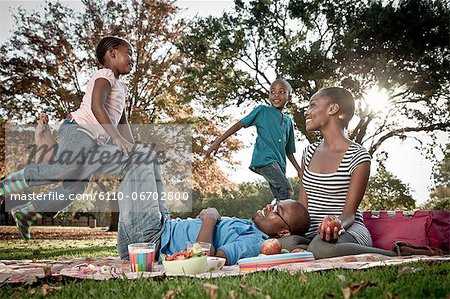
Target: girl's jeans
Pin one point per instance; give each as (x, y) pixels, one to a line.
(141, 219)
(279, 185)
(73, 146)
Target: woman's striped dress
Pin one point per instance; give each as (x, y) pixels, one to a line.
(327, 192)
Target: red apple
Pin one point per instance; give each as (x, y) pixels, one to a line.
(271, 246)
(331, 222)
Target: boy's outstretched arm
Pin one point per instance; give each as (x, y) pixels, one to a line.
(215, 146)
(294, 162)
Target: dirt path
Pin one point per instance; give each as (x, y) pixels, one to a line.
(58, 232)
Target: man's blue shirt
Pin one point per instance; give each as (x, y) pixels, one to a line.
(238, 238)
(275, 136)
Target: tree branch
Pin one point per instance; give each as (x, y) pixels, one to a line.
(433, 127)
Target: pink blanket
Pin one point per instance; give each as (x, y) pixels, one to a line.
(30, 271)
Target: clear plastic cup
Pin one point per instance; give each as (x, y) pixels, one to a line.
(205, 247)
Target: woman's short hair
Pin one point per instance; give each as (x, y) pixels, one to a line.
(344, 99)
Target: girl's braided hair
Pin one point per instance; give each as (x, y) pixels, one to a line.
(105, 43)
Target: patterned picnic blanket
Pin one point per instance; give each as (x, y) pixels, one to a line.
(31, 271)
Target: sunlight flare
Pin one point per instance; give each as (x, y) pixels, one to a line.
(376, 98)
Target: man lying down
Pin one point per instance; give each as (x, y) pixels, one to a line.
(235, 238)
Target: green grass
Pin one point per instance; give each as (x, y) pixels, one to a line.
(51, 242)
(52, 249)
(414, 280)
(430, 281)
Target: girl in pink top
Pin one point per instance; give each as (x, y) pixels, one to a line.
(102, 107)
(101, 116)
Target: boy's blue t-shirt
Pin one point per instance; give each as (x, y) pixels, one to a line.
(275, 136)
(238, 238)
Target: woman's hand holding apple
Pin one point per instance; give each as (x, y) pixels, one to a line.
(329, 228)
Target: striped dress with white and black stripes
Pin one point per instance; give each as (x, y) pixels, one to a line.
(327, 192)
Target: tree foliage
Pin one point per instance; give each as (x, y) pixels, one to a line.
(241, 202)
(398, 46)
(386, 192)
(440, 194)
(50, 57)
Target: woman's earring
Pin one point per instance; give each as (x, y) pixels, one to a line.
(341, 116)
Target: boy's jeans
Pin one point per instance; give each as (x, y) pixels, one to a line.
(279, 185)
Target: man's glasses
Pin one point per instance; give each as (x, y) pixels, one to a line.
(274, 204)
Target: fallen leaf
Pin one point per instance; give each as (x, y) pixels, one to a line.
(251, 291)
(356, 287)
(232, 295)
(170, 294)
(46, 289)
(346, 292)
(211, 290)
(303, 278)
(341, 277)
(32, 291)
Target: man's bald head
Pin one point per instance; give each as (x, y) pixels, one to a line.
(298, 217)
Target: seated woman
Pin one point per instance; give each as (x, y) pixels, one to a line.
(335, 175)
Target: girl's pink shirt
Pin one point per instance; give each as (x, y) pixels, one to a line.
(114, 105)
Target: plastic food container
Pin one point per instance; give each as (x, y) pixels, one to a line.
(214, 263)
(193, 265)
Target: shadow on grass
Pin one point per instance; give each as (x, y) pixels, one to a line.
(48, 253)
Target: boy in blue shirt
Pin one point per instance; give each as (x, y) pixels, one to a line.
(274, 142)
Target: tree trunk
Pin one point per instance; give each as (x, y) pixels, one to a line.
(114, 221)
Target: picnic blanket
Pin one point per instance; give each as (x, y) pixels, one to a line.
(31, 271)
